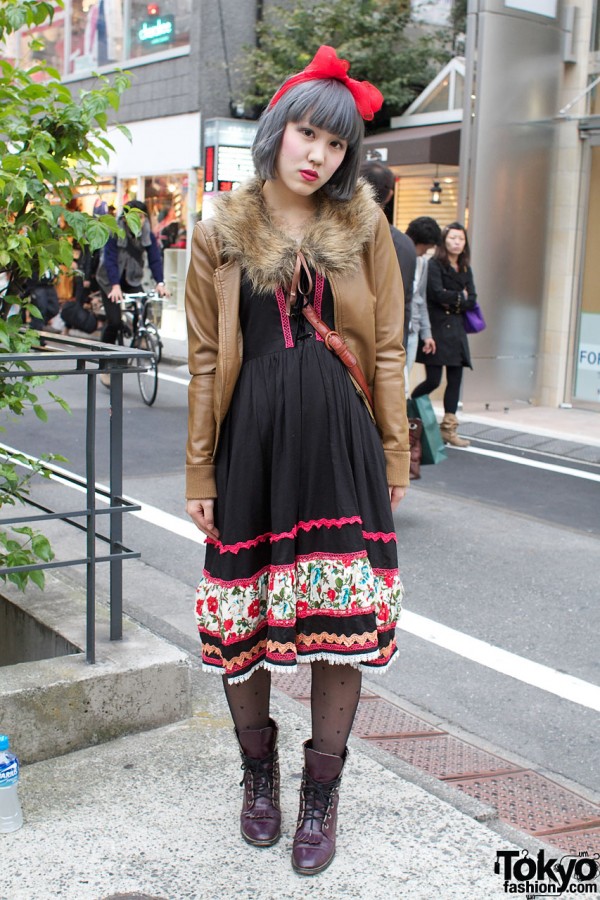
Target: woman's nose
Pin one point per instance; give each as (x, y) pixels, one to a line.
(316, 154)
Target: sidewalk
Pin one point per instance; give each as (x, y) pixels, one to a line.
(155, 815)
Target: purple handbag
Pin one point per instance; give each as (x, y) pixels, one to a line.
(473, 320)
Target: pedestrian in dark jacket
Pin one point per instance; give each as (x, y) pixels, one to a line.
(450, 291)
(122, 268)
(382, 181)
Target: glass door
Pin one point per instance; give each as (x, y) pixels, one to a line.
(587, 348)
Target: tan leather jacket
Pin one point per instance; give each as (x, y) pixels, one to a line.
(351, 244)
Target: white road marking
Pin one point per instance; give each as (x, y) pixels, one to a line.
(148, 513)
(544, 677)
(174, 378)
(532, 463)
(525, 670)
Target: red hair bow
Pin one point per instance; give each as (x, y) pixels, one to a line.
(326, 64)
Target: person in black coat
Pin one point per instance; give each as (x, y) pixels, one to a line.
(450, 291)
(383, 180)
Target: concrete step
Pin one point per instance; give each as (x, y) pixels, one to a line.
(55, 705)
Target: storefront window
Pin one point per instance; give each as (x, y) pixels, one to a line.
(413, 194)
(158, 26)
(129, 191)
(99, 198)
(96, 34)
(109, 33)
(587, 373)
(166, 197)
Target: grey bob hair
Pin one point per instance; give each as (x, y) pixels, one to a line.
(327, 104)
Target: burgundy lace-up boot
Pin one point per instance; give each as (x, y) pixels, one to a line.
(314, 841)
(260, 819)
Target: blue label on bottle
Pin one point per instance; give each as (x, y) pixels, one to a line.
(9, 774)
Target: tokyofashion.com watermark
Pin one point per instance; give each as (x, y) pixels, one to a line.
(546, 875)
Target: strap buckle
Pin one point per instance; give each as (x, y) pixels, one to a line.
(328, 337)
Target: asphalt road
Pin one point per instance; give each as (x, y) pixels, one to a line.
(493, 550)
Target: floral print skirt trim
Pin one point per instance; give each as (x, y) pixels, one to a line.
(337, 609)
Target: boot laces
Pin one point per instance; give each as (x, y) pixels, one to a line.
(260, 773)
(317, 797)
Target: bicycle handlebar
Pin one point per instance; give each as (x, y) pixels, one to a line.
(142, 295)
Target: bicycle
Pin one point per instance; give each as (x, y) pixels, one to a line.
(137, 325)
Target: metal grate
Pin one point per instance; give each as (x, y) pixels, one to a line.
(378, 718)
(532, 803)
(446, 757)
(574, 843)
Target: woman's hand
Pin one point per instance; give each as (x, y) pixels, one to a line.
(202, 513)
(396, 495)
(429, 345)
(116, 294)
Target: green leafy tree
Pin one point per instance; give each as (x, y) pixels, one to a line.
(373, 34)
(50, 143)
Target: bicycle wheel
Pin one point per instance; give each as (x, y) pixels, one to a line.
(148, 379)
(153, 332)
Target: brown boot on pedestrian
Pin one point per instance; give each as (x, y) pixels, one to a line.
(314, 841)
(260, 820)
(448, 427)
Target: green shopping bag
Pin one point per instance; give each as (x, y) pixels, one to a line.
(431, 439)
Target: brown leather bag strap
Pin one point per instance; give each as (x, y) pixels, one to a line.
(331, 339)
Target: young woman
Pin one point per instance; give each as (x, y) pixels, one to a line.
(290, 473)
(450, 291)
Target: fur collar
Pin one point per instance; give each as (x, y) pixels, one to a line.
(333, 243)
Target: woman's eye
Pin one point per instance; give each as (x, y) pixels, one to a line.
(308, 132)
(338, 145)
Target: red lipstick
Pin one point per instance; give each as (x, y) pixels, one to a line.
(309, 174)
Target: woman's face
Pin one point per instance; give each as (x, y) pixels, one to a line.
(455, 242)
(308, 157)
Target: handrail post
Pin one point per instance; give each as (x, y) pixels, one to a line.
(116, 494)
(90, 476)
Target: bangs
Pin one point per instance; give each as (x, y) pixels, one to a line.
(329, 105)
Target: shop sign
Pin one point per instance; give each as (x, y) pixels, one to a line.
(235, 164)
(588, 359)
(157, 30)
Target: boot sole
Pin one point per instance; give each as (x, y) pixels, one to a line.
(255, 843)
(318, 871)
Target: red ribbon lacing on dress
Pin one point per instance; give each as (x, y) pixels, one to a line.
(327, 64)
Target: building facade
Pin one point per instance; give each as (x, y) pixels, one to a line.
(521, 161)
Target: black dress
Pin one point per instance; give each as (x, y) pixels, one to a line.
(306, 563)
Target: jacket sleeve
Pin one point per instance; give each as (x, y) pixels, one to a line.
(423, 322)
(202, 314)
(154, 259)
(388, 384)
(110, 258)
(471, 300)
(407, 259)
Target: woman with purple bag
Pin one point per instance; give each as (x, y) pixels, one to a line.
(450, 295)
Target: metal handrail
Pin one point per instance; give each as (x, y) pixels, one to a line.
(90, 358)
